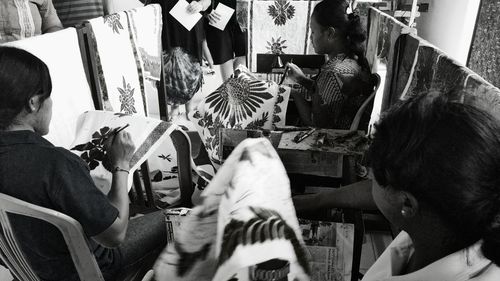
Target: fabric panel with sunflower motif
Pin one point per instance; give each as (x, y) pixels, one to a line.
(242, 102)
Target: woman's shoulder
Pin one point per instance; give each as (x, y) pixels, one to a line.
(343, 65)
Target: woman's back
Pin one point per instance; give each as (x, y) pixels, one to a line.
(340, 89)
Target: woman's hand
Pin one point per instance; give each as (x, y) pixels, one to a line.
(119, 150)
(213, 17)
(294, 73)
(306, 202)
(194, 7)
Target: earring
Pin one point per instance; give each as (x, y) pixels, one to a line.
(403, 212)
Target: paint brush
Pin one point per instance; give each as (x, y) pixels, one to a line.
(303, 135)
(116, 131)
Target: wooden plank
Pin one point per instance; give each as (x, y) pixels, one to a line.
(317, 163)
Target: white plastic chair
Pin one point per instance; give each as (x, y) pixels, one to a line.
(72, 231)
(359, 114)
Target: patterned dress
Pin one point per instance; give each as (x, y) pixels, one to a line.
(339, 90)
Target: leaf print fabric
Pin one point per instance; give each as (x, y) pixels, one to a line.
(94, 127)
(113, 22)
(242, 102)
(127, 98)
(250, 189)
(119, 65)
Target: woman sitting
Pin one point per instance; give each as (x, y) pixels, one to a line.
(436, 167)
(35, 171)
(23, 19)
(344, 81)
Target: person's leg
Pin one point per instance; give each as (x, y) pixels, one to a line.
(239, 61)
(239, 42)
(226, 69)
(207, 55)
(146, 238)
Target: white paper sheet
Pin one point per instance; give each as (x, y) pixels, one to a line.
(225, 14)
(180, 13)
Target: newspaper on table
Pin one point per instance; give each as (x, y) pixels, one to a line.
(173, 221)
(330, 246)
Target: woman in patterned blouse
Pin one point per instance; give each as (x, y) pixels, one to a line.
(344, 81)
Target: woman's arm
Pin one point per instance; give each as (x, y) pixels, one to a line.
(119, 150)
(295, 74)
(303, 107)
(357, 196)
(50, 20)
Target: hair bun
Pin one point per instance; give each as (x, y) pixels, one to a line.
(354, 16)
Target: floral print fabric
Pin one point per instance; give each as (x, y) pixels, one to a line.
(278, 27)
(121, 77)
(242, 102)
(247, 217)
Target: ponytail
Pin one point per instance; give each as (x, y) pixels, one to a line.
(356, 36)
(333, 13)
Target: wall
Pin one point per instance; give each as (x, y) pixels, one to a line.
(449, 24)
(485, 53)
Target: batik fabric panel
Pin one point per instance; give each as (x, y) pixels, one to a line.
(278, 27)
(424, 68)
(94, 127)
(242, 102)
(247, 217)
(384, 31)
(146, 27)
(71, 93)
(120, 73)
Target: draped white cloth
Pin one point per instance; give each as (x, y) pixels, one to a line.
(247, 217)
(70, 90)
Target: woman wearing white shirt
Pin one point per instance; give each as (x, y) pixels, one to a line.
(437, 177)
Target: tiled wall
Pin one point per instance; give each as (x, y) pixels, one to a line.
(485, 52)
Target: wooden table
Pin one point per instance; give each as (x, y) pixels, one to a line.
(335, 158)
(305, 157)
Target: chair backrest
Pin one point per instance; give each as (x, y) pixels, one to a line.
(357, 118)
(72, 231)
